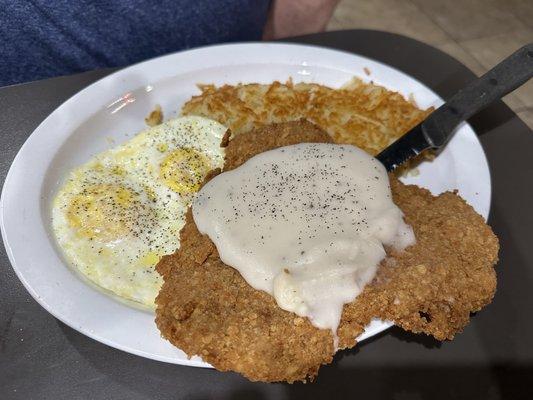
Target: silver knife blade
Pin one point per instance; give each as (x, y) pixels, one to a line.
(408, 146)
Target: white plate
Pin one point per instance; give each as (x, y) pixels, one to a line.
(113, 108)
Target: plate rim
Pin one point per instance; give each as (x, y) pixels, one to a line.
(116, 75)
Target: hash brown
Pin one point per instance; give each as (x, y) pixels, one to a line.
(206, 308)
(363, 114)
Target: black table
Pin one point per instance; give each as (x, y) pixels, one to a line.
(41, 358)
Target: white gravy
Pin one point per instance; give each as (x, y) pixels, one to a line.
(306, 224)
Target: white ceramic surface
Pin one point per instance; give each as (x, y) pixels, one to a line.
(113, 109)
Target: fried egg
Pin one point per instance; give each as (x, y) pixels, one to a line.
(118, 214)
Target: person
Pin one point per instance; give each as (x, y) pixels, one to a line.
(45, 38)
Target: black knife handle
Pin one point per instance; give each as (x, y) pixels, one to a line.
(505, 77)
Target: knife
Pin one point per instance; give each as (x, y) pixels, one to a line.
(438, 128)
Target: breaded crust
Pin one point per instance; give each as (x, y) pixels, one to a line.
(206, 308)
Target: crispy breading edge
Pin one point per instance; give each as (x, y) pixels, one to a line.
(206, 308)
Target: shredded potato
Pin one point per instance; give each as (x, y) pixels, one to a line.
(363, 114)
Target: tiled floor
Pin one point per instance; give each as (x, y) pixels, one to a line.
(479, 33)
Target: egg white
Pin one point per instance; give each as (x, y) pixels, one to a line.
(116, 215)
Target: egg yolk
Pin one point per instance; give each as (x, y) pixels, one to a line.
(150, 259)
(104, 212)
(183, 170)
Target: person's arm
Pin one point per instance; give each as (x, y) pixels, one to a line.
(297, 17)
